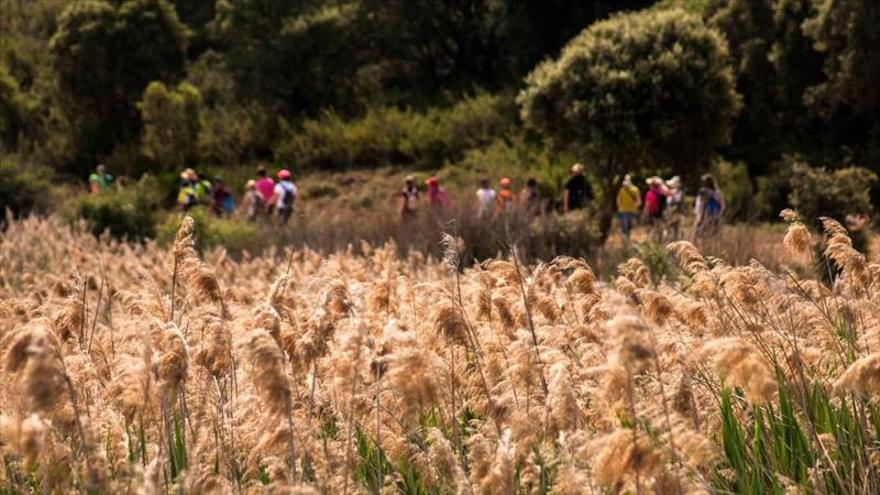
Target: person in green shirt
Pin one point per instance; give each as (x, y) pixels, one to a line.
(99, 179)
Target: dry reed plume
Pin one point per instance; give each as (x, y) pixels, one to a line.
(133, 369)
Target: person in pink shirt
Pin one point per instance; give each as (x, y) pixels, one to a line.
(437, 198)
(265, 187)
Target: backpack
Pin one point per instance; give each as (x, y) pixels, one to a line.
(713, 204)
(288, 198)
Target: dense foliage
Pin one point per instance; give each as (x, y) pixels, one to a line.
(652, 89)
(422, 83)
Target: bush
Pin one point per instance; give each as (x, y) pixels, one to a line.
(24, 189)
(391, 135)
(733, 179)
(320, 190)
(232, 234)
(817, 192)
(128, 213)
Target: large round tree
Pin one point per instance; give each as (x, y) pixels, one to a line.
(638, 92)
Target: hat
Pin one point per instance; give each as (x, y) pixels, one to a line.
(250, 184)
(627, 180)
(284, 174)
(675, 181)
(504, 181)
(409, 178)
(188, 174)
(100, 167)
(577, 168)
(431, 181)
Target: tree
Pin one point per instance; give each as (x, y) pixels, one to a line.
(171, 123)
(105, 56)
(643, 89)
(749, 27)
(846, 31)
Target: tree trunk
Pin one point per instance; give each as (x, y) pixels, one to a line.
(610, 187)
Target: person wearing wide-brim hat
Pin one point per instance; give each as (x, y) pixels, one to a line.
(655, 200)
(409, 198)
(577, 191)
(187, 196)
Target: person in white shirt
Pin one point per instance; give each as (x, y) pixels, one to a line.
(485, 199)
(285, 195)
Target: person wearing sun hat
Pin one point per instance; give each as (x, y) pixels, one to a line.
(409, 198)
(285, 195)
(252, 201)
(655, 204)
(186, 196)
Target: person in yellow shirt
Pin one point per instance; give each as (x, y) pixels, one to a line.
(629, 203)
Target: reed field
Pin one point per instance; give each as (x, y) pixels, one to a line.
(129, 368)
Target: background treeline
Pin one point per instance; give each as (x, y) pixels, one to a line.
(155, 85)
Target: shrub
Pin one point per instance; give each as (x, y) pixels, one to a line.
(232, 234)
(320, 190)
(733, 178)
(128, 213)
(171, 123)
(24, 189)
(817, 192)
(391, 135)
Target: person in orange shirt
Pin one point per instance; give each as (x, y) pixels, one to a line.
(506, 200)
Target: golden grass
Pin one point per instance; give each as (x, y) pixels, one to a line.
(132, 369)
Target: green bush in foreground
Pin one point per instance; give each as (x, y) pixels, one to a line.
(232, 234)
(128, 213)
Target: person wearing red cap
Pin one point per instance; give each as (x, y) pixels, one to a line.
(436, 196)
(285, 195)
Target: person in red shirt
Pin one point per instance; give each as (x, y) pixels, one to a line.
(655, 203)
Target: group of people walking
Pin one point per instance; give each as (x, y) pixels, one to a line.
(263, 196)
(266, 197)
(662, 207)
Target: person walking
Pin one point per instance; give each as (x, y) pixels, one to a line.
(409, 199)
(577, 191)
(485, 199)
(265, 187)
(530, 198)
(709, 206)
(221, 198)
(629, 201)
(505, 202)
(99, 180)
(252, 201)
(674, 207)
(437, 198)
(284, 195)
(186, 195)
(655, 204)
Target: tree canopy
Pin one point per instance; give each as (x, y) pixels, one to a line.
(645, 88)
